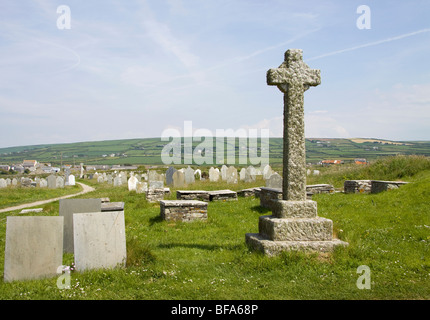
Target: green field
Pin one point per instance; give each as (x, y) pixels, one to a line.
(389, 232)
(148, 151)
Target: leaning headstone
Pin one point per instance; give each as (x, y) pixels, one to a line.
(231, 175)
(68, 207)
(99, 240)
(3, 183)
(169, 175)
(178, 179)
(275, 181)
(294, 223)
(189, 176)
(34, 247)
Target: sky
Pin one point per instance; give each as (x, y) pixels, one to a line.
(133, 69)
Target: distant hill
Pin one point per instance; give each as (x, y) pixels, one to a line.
(148, 151)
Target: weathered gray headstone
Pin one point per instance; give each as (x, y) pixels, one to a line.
(68, 207)
(141, 187)
(8, 182)
(60, 182)
(99, 240)
(117, 181)
(169, 175)
(250, 174)
(3, 183)
(231, 175)
(189, 176)
(14, 182)
(178, 179)
(52, 182)
(42, 184)
(294, 224)
(275, 181)
(34, 247)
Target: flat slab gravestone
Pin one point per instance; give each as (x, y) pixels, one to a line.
(222, 195)
(192, 195)
(294, 223)
(99, 240)
(70, 206)
(34, 247)
(183, 210)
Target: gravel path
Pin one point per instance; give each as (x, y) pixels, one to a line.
(85, 187)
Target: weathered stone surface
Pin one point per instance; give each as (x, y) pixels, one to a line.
(294, 209)
(99, 240)
(357, 186)
(269, 194)
(222, 195)
(214, 174)
(169, 175)
(52, 182)
(178, 179)
(272, 248)
(112, 206)
(274, 181)
(192, 195)
(380, 186)
(320, 188)
(296, 229)
(183, 210)
(3, 183)
(249, 192)
(294, 224)
(189, 175)
(231, 175)
(68, 207)
(34, 247)
(155, 195)
(293, 77)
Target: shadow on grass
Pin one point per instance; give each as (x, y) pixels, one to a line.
(260, 209)
(209, 247)
(154, 220)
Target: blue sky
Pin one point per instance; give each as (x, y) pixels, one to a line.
(131, 69)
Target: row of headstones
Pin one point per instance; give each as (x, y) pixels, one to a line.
(35, 244)
(51, 182)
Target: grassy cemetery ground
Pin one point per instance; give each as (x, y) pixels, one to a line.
(389, 232)
(12, 196)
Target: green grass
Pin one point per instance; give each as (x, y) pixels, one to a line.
(389, 232)
(12, 195)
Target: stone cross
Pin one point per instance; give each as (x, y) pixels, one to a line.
(293, 78)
